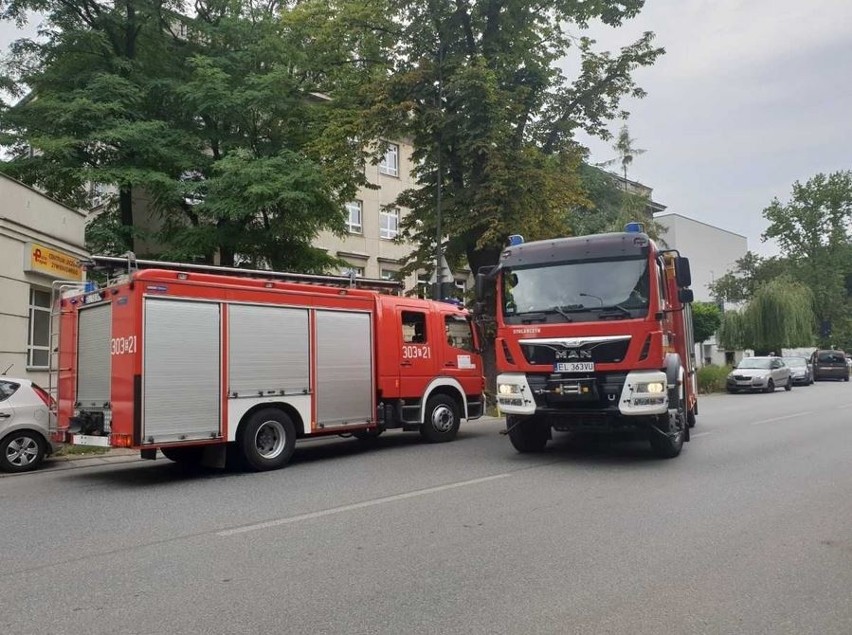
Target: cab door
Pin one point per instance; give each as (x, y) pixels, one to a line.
(416, 339)
(458, 356)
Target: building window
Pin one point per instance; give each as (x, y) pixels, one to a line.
(355, 217)
(348, 271)
(38, 344)
(389, 274)
(423, 285)
(390, 162)
(389, 223)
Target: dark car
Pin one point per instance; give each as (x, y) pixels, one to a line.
(800, 369)
(830, 365)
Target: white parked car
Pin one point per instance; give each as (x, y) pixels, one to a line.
(24, 425)
(763, 374)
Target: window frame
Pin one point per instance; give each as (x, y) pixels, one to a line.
(421, 315)
(384, 165)
(449, 317)
(32, 347)
(385, 213)
(350, 207)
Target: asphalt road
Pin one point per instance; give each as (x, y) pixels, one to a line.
(748, 531)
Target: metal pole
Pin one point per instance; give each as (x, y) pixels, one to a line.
(438, 232)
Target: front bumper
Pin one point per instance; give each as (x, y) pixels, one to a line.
(632, 394)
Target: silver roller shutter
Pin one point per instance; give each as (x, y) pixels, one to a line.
(344, 367)
(268, 350)
(94, 361)
(181, 371)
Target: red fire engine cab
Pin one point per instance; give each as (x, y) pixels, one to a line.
(206, 365)
(594, 335)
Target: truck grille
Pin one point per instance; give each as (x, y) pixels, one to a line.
(598, 352)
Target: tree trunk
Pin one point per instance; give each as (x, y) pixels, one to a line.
(125, 208)
(478, 258)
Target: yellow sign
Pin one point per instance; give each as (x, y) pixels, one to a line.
(54, 263)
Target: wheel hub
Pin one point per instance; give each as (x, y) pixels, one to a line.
(443, 419)
(22, 451)
(270, 439)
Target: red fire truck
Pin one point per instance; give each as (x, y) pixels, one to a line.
(209, 366)
(594, 335)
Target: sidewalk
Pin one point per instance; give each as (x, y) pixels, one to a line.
(74, 461)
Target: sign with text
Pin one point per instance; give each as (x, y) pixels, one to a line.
(41, 259)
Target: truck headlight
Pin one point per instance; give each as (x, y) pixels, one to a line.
(652, 387)
(508, 389)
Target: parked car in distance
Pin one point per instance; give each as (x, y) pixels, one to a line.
(800, 369)
(759, 374)
(830, 365)
(24, 425)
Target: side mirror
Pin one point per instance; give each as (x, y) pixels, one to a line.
(480, 283)
(685, 296)
(683, 275)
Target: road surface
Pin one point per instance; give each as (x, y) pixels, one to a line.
(748, 531)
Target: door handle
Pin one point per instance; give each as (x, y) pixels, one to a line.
(3, 415)
(405, 363)
(450, 364)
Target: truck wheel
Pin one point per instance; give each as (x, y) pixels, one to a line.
(21, 451)
(670, 445)
(442, 420)
(267, 440)
(527, 434)
(184, 456)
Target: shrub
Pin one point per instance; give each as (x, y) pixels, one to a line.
(712, 378)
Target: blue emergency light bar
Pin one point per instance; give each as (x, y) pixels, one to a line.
(635, 228)
(515, 239)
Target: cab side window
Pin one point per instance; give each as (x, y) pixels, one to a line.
(413, 327)
(459, 333)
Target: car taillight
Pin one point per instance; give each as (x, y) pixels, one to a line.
(42, 394)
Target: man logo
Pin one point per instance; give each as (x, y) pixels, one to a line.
(572, 354)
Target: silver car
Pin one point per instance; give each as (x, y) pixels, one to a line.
(759, 374)
(24, 425)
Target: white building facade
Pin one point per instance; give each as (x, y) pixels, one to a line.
(712, 252)
(41, 241)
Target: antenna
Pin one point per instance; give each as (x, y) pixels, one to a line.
(8, 368)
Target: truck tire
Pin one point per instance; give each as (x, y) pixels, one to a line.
(22, 451)
(267, 440)
(441, 423)
(185, 456)
(527, 434)
(668, 446)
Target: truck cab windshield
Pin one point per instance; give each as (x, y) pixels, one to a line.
(583, 291)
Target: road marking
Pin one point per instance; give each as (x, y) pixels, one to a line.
(699, 434)
(347, 508)
(798, 414)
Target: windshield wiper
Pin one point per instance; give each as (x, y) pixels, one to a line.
(562, 310)
(615, 308)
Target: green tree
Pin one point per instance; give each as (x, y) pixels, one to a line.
(706, 320)
(813, 230)
(478, 89)
(212, 122)
(779, 315)
(748, 274)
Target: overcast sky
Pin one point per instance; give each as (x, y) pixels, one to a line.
(750, 96)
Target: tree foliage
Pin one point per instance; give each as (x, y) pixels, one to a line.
(779, 315)
(477, 87)
(706, 319)
(206, 123)
(813, 230)
(749, 273)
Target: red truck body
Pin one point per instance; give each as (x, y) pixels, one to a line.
(593, 335)
(205, 366)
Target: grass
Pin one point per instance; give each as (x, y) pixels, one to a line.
(712, 378)
(79, 450)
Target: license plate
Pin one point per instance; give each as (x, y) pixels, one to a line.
(575, 367)
(87, 439)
